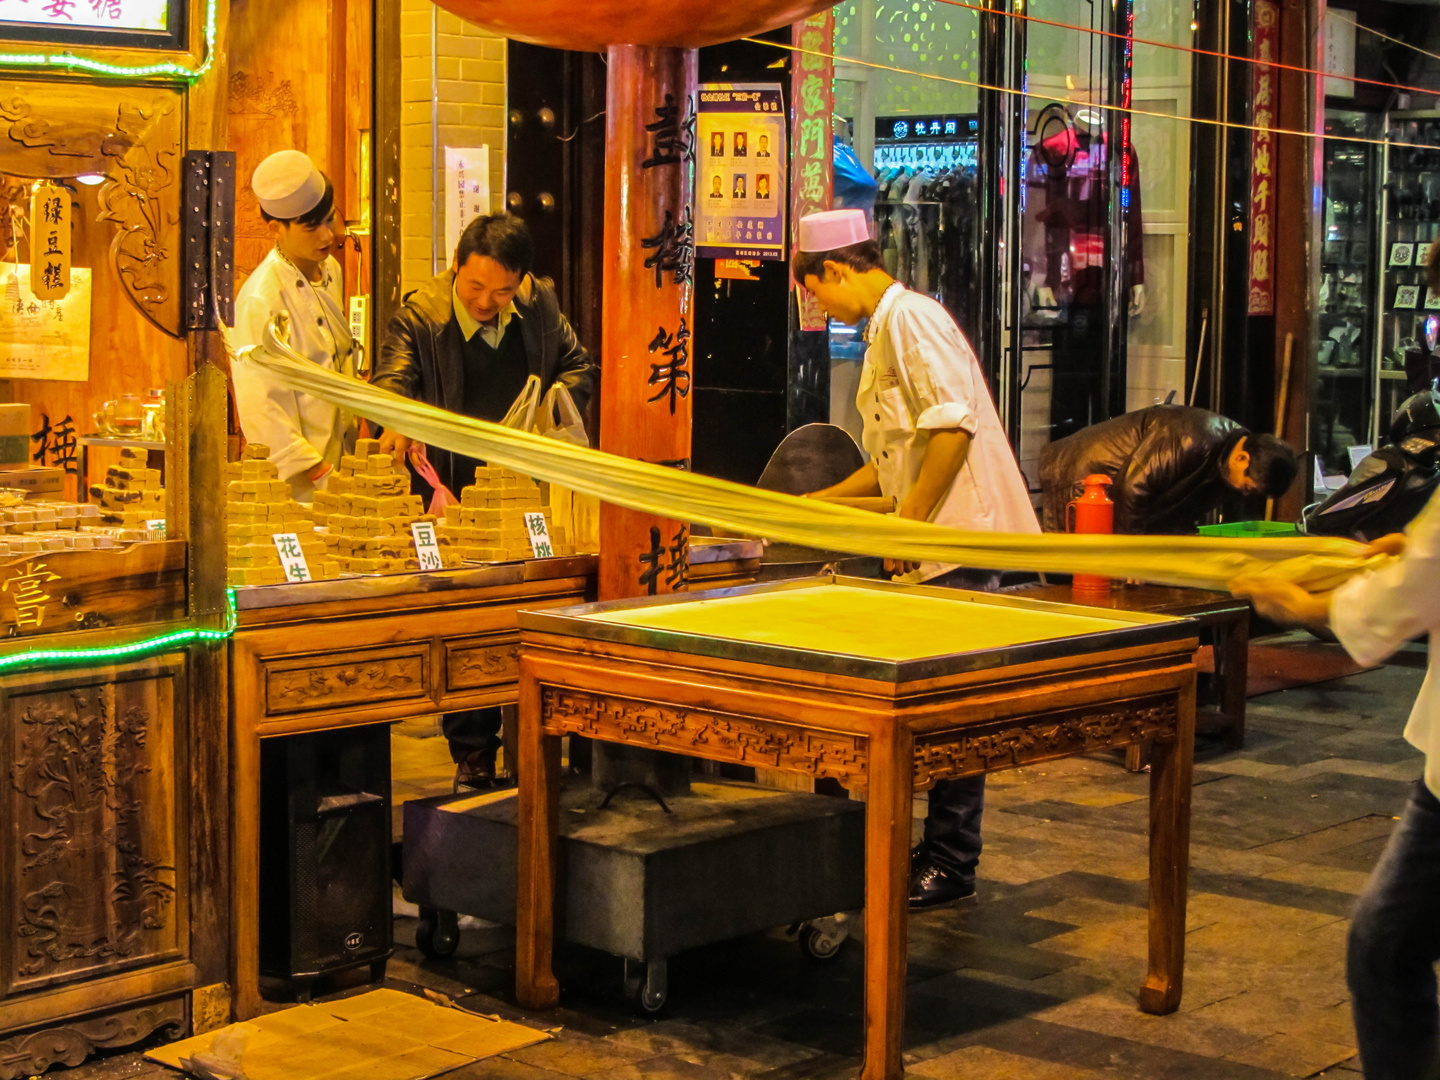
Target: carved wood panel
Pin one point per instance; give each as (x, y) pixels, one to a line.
(361, 677)
(96, 775)
(33, 1053)
(486, 661)
(1004, 743)
(133, 136)
(716, 736)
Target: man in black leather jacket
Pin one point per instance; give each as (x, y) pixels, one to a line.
(1169, 465)
(467, 341)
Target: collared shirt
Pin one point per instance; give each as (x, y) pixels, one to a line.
(301, 431)
(490, 334)
(921, 375)
(1376, 613)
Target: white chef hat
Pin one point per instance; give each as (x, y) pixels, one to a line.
(827, 230)
(288, 185)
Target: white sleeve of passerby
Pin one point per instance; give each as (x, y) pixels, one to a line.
(1376, 613)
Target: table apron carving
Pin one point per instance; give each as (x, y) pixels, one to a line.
(999, 744)
(353, 678)
(718, 736)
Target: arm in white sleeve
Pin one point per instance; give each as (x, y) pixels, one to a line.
(1375, 614)
(269, 414)
(944, 379)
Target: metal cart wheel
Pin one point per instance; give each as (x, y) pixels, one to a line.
(647, 985)
(820, 939)
(438, 933)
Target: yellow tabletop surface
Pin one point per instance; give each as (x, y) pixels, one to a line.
(884, 624)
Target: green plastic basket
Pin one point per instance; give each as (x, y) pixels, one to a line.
(1250, 529)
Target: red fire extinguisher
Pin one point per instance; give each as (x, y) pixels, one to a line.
(1093, 513)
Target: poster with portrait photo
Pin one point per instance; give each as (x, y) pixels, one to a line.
(1407, 296)
(740, 210)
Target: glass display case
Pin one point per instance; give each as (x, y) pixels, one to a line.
(1346, 368)
(1411, 205)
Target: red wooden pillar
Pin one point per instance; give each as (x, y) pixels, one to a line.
(649, 255)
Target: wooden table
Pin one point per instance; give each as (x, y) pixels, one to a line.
(1226, 617)
(1072, 681)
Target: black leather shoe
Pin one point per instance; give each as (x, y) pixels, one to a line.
(477, 771)
(932, 888)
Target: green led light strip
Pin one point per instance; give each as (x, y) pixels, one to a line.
(166, 68)
(67, 657)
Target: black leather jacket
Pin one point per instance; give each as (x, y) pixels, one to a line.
(1165, 463)
(422, 354)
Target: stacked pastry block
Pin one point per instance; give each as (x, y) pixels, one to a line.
(131, 494)
(257, 507)
(31, 528)
(489, 524)
(367, 511)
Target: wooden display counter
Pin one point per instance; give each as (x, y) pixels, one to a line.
(881, 686)
(364, 650)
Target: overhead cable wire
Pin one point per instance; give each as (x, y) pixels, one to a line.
(1130, 111)
(1435, 91)
(1397, 41)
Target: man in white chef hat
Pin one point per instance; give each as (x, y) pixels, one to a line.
(300, 277)
(937, 448)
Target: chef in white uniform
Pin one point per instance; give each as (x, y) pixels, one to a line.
(300, 277)
(937, 448)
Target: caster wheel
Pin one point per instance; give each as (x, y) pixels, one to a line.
(646, 986)
(820, 939)
(438, 933)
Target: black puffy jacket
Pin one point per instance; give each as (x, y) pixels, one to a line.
(1164, 462)
(422, 353)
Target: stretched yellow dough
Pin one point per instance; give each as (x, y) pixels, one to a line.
(876, 623)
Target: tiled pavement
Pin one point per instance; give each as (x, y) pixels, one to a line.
(1038, 981)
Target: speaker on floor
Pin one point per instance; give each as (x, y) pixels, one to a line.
(325, 892)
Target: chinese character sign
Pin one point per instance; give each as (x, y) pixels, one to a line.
(741, 173)
(44, 339)
(28, 590)
(1262, 161)
(811, 105)
(50, 242)
(111, 14)
(467, 191)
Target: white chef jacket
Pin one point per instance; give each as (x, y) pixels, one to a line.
(921, 375)
(1376, 613)
(301, 431)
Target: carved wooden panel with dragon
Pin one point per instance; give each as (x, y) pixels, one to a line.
(96, 875)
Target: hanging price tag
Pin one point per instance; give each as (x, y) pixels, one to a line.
(291, 557)
(427, 546)
(50, 242)
(539, 534)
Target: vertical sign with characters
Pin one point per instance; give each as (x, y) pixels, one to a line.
(467, 191)
(742, 155)
(292, 558)
(812, 165)
(50, 242)
(1262, 160)
(652, 225)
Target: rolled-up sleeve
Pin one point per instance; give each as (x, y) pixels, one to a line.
(939, 374)
(1375, 614)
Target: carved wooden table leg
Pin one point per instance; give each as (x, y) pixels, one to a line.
(539, 762)
(890, 770)
(1171, 765)
(1233, 659)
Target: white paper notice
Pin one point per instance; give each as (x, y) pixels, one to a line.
(427, 547)
(467, 191)
(539, 534)
(44, 339)
(291, 557)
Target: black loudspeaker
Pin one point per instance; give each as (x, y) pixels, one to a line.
(325, 900)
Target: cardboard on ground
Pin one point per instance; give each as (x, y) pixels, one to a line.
(381, 1035)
